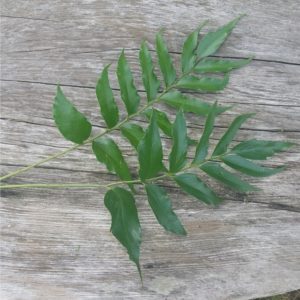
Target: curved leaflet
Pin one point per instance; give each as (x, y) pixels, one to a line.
(229, 135)
(216, 171)
(133, 132)
(165, 61)
(207, 84)
(72, 124)
(192, 185)
(108, 107)
(179, 101)
(125, 225)
(108, 152)
(162, 208)
(165, 124)
(129, 93)
(248, 167)
(212, 41)
(163, 121)
(259, 150)
(151, 83)
(188, 56)
(202, 147)
(177, 157)
(213, 65)
(150, 151)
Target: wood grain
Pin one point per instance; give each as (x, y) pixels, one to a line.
(97, 26)
(56, 244)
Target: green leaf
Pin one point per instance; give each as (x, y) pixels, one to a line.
(109, 109)
(164, 123)
(188, 57)
(72, 124)
(192, 142)
(259, 150)
(212, 41)
(150, 151)
(192, 185)
(125, 224)
(229, 135)
(129, 93)
(202, 147)
(162, 120)
(162, 208)
(165, 61)
(151, 83)
(248, 167)
(133, 132)
(216, 171)
(108, 152)
(207, 84)
(179, 101)
(177, 157)
(212, 65)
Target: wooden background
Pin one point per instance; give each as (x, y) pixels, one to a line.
(56, 244)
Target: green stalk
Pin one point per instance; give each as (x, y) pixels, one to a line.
(107, 186)
(67, 185)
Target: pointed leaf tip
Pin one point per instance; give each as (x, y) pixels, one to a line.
(248, 167)
(108, 152)
(192, 185)
(203, 145)
(214, 65)
(129, 92)
(188, 56)
(163, 121)
(108, 107)
(125, 225)
(72, 124)
(133, 132)
(165, 61)
(150, 151)
(259, 149)
(207, 84)
(187, 104)
(162, 209)
(212, 41)
(229, 135)
(216, 171)
(177, 157)
(150, 81)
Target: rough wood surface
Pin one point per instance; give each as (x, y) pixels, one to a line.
(56, 244)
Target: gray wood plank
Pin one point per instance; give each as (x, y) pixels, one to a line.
(96, 26)
(59, 247)
(258, 83)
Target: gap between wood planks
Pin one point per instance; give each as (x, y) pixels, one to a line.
(118, 90)
(28, 18)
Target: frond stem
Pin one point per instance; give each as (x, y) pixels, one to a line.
(107, 186)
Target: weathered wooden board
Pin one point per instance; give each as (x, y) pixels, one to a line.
(56, 244)
(270, 29)
(58, 247)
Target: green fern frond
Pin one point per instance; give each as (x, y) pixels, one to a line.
(197, 74)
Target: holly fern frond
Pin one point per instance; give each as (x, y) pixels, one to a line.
(199, 72)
